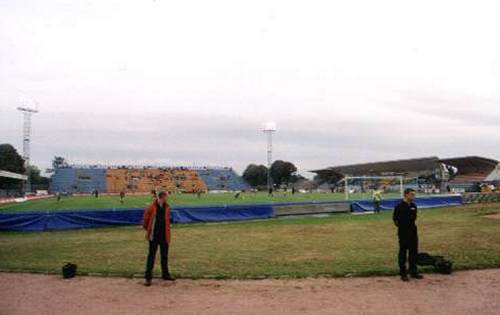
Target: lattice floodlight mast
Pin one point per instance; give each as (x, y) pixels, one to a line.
(27, 112)
(268, 129)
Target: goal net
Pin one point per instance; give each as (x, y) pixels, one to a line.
(368, 187)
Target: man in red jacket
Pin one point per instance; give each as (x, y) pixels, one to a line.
(156, 222)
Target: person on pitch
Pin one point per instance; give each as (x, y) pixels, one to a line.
(404, 217)
(156, 223)
(122, 196)
(377, 199)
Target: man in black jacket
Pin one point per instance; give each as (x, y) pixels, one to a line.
(404, 217)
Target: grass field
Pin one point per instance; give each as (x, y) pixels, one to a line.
(87, 202)
(336, 245)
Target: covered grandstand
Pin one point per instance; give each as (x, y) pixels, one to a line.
(409, 168)
(465, 173)
(86, 179)
(472, 171)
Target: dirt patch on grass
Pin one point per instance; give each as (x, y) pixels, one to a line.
(495, 216)
(468, 292)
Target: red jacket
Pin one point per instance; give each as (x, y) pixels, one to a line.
(149, 219)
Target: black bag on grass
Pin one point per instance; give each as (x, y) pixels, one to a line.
(68, 270)
(443, 266)
(440, 264)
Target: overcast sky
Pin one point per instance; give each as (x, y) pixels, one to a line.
(191, 82)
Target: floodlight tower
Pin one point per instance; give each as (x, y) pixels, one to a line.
(269, 129)
(27, 112)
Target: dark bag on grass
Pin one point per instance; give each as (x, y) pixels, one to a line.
(443, 266)
(440, 264)
(69, 270)
(424, 259)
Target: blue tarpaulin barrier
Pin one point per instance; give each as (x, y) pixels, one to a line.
(221, 213)
(77, 219)
(423, 202)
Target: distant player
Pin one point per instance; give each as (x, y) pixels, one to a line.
(377, 200)
(404, 217)
(122, 196)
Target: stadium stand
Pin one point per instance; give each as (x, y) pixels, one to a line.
(470, 172)
(188, 180)
(78, 179)
(224, 179)
(408, 168)
(139, 180)
(72, 180)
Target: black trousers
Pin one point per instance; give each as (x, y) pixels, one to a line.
(408, 247)
(153, 247)
(376, 206)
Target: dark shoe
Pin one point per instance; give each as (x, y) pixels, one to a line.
(168, 278)
(404, 278)
(416, 276)
(147, 282)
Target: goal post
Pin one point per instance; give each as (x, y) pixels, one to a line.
(366, 184)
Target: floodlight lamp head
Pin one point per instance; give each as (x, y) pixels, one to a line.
(28, 105)
(27, 110)
(269, 127)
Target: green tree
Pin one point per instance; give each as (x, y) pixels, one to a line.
(10, 161)
(255, 175)
(37, 180)
(283, 172)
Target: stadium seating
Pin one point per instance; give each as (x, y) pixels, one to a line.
(188, 180)
(72, 180)
(222, 179)
(471, 177)
(139, 180)
(144, 180)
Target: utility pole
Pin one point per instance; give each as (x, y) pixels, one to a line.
(27, 112)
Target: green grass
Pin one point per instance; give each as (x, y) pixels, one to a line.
(337, 245)
(87, 202)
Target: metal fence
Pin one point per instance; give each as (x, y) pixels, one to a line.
(481, 197)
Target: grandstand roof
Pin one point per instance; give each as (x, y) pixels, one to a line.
(376, 168)
(474, 168)
(470, 161)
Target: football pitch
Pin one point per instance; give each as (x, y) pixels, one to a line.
(131, 201)
(296, 247)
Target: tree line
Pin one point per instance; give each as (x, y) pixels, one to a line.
(12, 161)
(283, 173)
